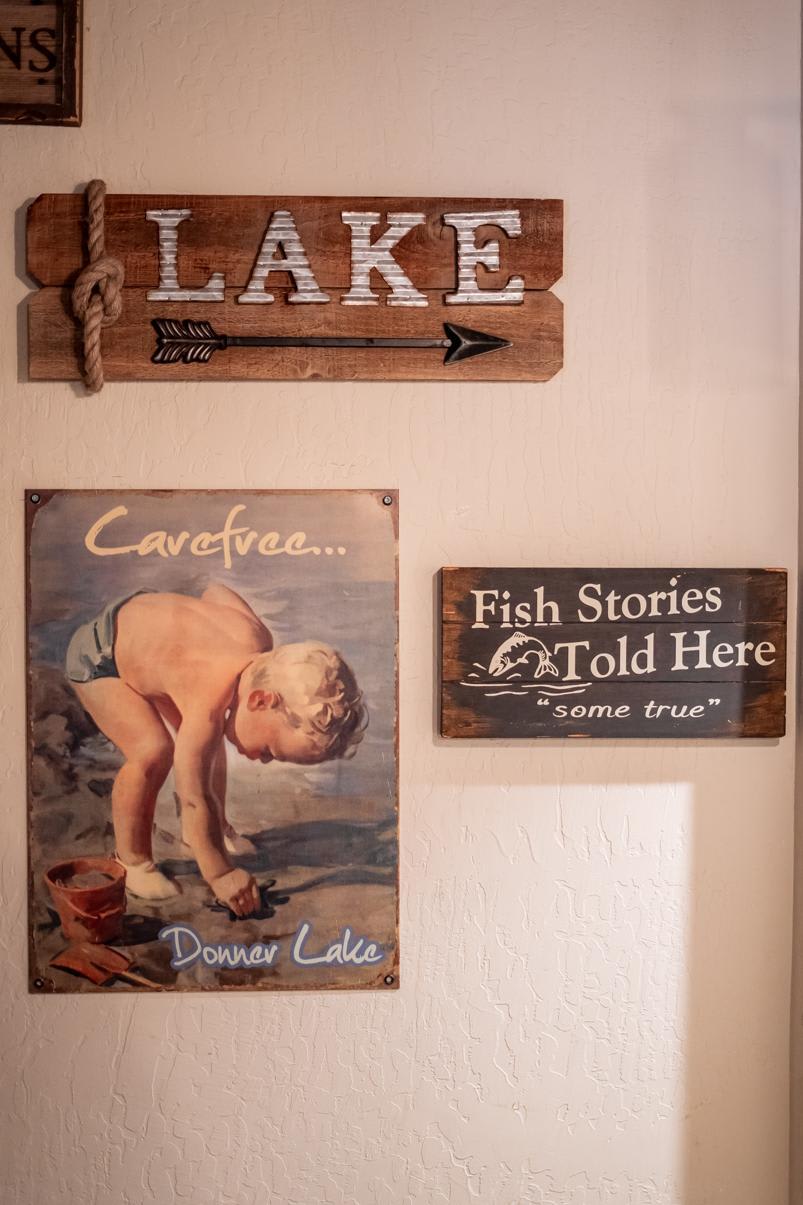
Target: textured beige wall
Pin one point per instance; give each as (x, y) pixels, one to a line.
(594, 1007)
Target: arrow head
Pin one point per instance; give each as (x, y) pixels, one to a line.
(465, 343)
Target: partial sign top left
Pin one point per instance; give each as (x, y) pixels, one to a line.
(40, 62)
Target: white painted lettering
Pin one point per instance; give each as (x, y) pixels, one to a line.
(282, 234)
(168, 221)
(470, 257)
(367, 257)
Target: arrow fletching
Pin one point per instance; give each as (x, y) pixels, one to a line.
(185, 340)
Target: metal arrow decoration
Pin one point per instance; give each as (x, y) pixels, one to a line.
(187, 341)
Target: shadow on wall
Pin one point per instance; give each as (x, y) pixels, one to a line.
(631, 924)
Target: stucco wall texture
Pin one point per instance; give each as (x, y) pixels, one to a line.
(596, 936)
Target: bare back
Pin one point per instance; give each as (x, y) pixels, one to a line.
(187, 650)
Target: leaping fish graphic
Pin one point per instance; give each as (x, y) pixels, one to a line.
(507, 656)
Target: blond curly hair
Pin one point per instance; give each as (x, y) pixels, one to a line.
(318, 693)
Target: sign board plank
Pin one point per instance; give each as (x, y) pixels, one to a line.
(534, 329)
(657, 712)
(744, 595)
(224, 235)
(40, 62)
(650, 653)
(461, 645)
(192, 607)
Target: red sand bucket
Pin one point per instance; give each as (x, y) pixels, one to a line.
(89, 894)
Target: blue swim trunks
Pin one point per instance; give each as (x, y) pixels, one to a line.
(90, 654)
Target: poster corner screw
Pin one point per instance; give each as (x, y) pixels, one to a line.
(387, 500)
(35, 498)
(390, 980)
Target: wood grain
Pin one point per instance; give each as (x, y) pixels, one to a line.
(747, 594)
(749, 710)
(535, 328)
(716, 667)
(28, 94)
(225, 234)
(462, 646)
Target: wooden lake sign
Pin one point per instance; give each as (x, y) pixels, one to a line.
(613, 652)
(40, 62)
(306, 288)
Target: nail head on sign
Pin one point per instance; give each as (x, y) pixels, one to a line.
(388, 501)
(39, 983)
(389, 980)
(35, 498)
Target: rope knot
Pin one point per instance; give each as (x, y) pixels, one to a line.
(100, 281)
(97, 297)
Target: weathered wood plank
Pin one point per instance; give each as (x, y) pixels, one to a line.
(748, 710)
(225, 234)
(21, 84)
(748, 595)
(40, 62)
(535, 329)
(464, 649)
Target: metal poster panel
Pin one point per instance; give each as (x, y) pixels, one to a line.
(40, 62)
(655, 653)
(212, 740)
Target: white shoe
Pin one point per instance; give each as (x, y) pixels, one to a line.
(237, 844)
(148, 883)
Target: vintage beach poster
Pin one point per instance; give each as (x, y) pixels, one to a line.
(212, 723)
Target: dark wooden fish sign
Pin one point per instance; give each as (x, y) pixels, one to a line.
(653, 653)
(187, 341)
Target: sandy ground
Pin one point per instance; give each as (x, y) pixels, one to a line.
(334, 857)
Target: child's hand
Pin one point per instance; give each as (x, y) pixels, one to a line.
(238, 890)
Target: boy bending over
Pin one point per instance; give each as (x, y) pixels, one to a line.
(207, 669)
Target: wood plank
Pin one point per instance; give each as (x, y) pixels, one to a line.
(225, 234)
(748, 595)
(535, 328)
(464, 651)
(749, 710)
(23, 85)
(40, 62)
